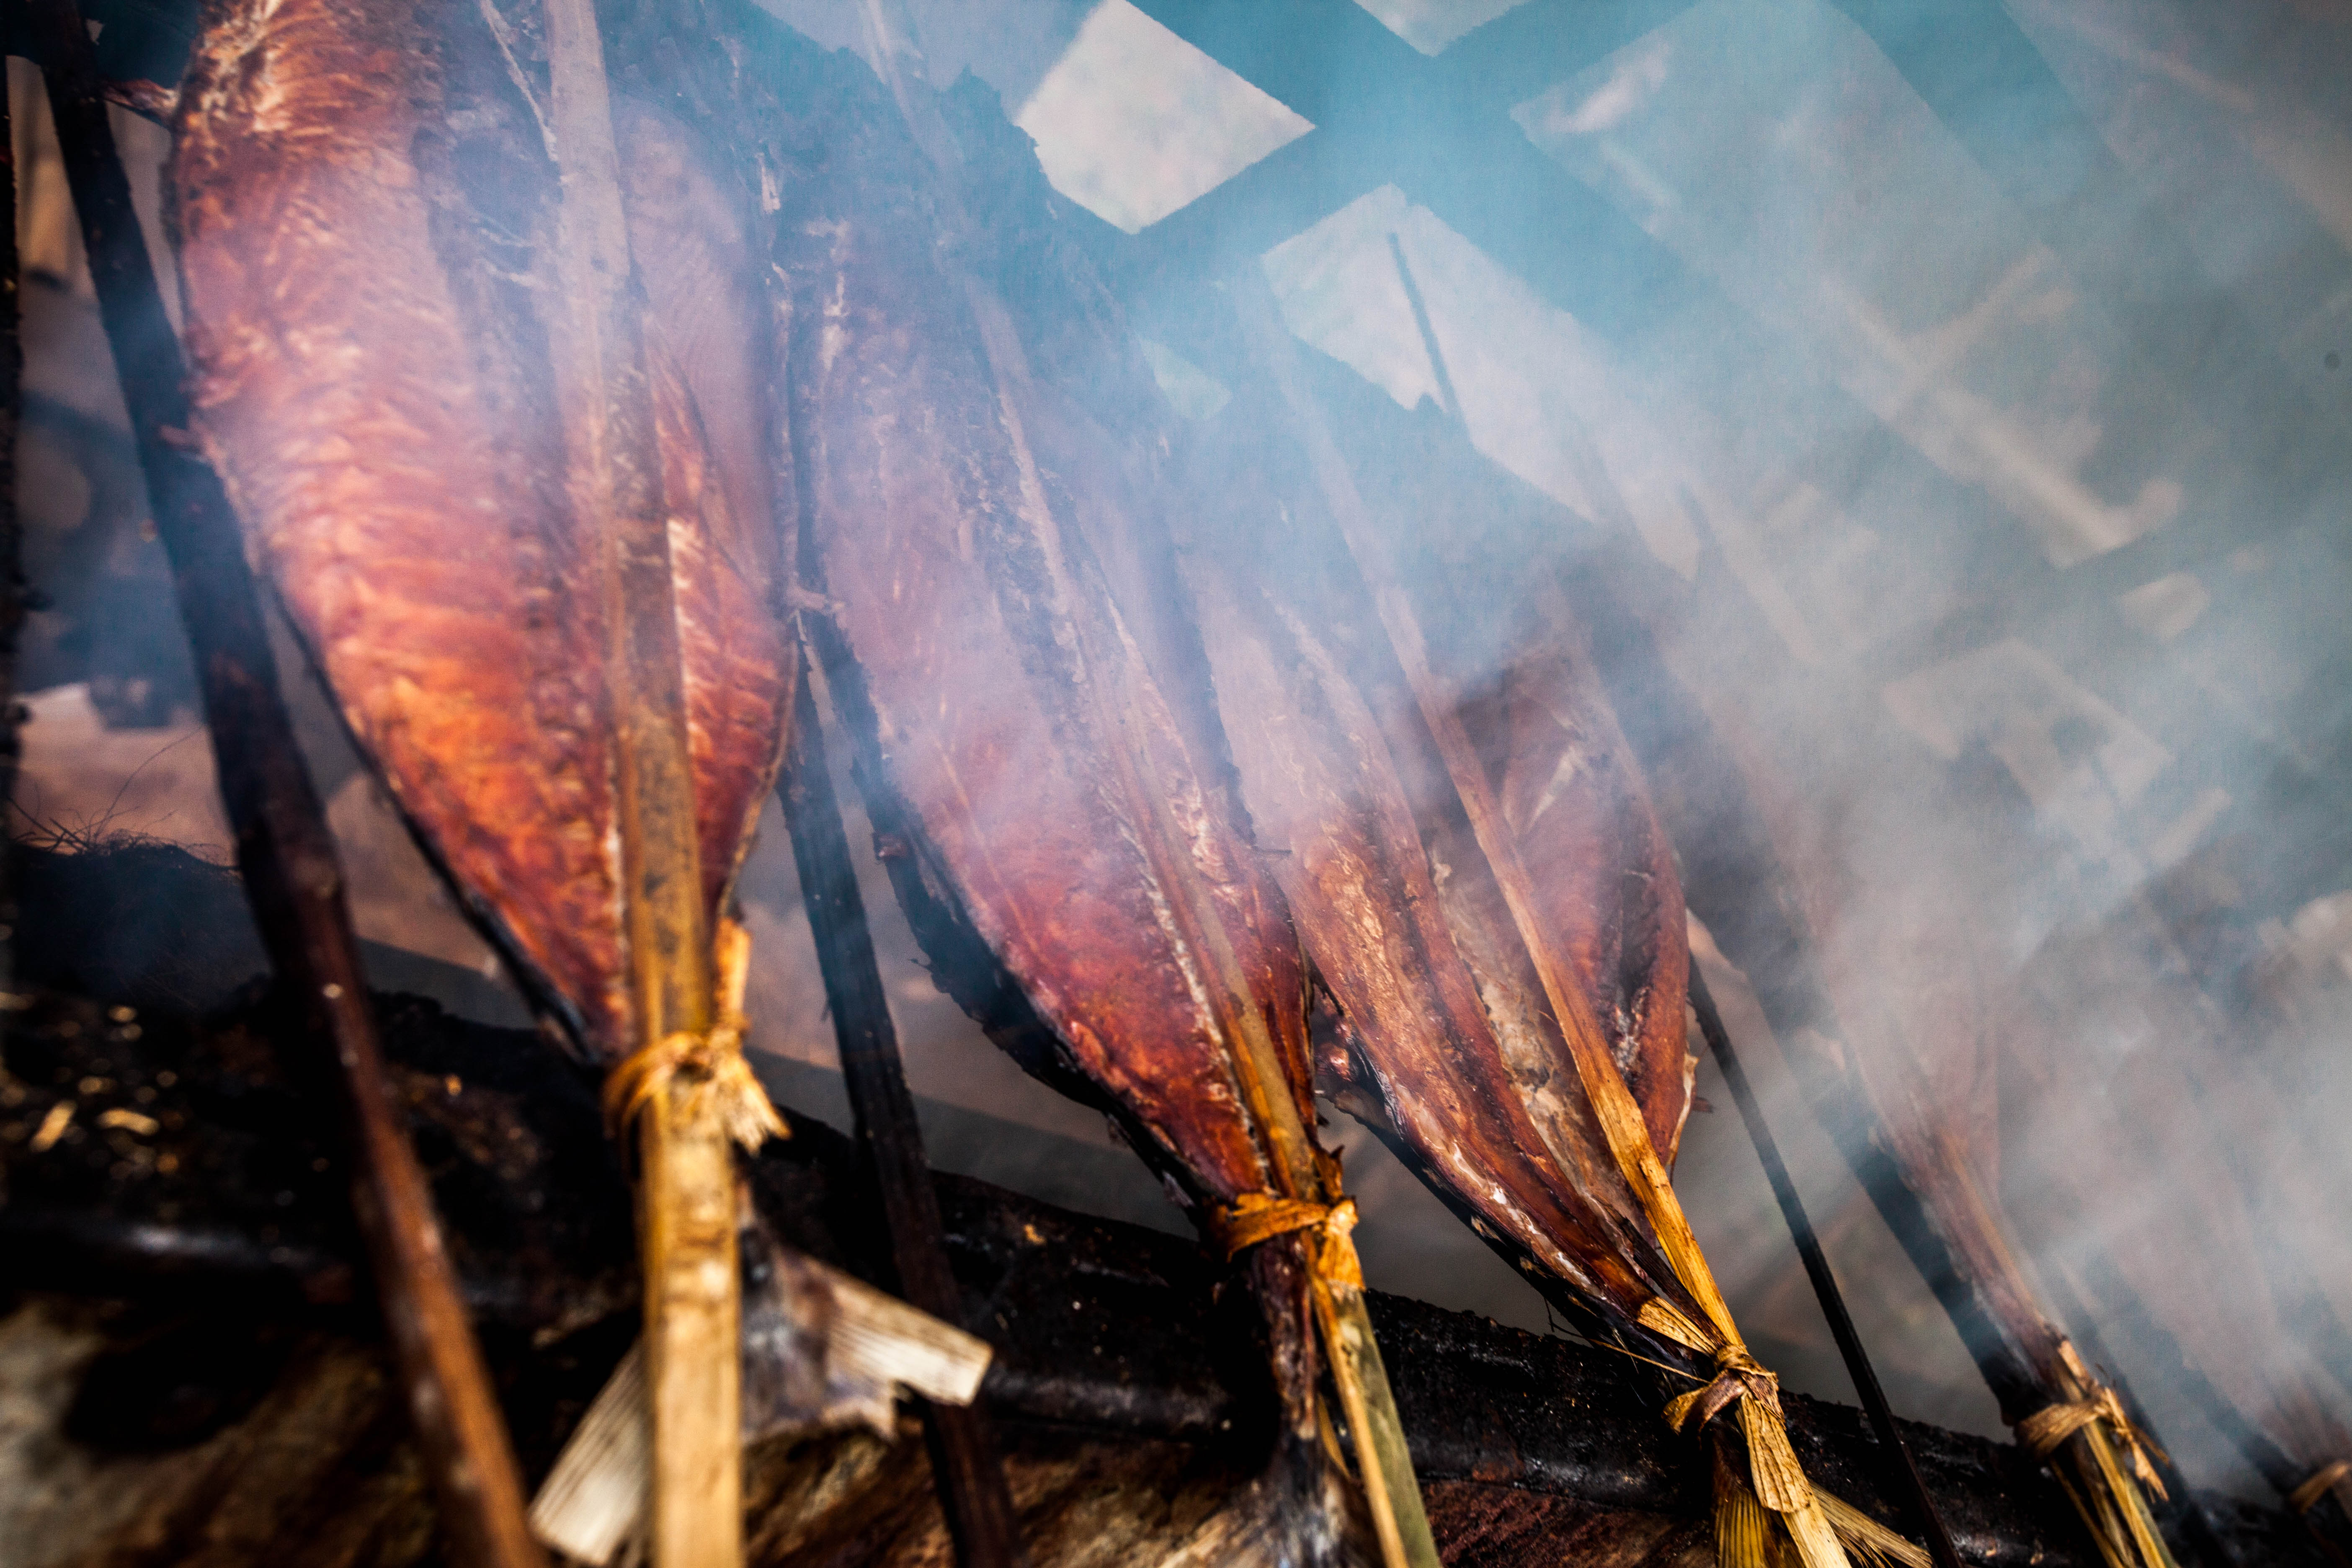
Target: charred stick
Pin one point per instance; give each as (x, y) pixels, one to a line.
(1817, 1269)
(968, 1469)
(12, 577)
(1428, 333)
(284, 850)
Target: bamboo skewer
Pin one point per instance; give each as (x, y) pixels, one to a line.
(283, 848)
(1776, 1474)
(686, 1183)
(1817, 1269)
(968, 1469)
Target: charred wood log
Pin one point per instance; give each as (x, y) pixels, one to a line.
(183, 1171)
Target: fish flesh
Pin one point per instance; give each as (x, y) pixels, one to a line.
(365, 202)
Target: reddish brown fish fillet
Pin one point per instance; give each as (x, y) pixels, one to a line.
(1574, 799)
(364, 206)
(1044, 805)
(1443, 1041)
(1005, 703)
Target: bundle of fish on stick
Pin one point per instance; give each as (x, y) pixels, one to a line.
(1890, 999)
(2224, 1334)
(514, 494)
(1039, 747)
(1494, 916)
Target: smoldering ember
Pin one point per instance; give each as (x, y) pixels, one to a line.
(1314, 783)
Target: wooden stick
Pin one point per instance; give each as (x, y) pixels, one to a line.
(12, 566)
(283, 848)
(1451, 399)
(687, 1172)
(1817, 1269)
(967, 1467)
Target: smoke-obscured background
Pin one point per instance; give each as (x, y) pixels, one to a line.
(1957, 393)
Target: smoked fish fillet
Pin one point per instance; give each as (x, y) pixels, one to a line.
(1066, 851)
(1439, 1036)
(365, 204)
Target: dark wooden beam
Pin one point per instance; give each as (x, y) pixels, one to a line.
(964, 1454)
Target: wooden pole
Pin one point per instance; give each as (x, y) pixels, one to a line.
(686, 1188)
(1817, 1269)
(967, 1466)
(283, 848)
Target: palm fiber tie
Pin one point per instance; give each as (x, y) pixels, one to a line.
(2320, 1482)
(2047, 1428)
(1255, 1218)
(708, 1065)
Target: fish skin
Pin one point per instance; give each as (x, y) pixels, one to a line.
(363, 209)
(1606, 886)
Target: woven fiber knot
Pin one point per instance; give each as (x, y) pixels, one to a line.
(2317, 1485)
(1255, 1218)
(707, 1066)
(2047, 1429)
(1737, 1375)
